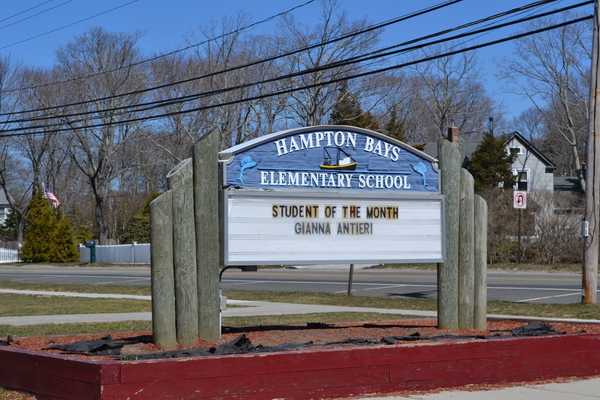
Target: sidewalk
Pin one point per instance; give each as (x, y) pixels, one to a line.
(574, 390)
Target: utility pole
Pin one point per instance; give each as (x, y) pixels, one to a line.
(590, 227)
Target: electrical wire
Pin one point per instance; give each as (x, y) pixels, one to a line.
(344, 63)
(165, 54)
(34, 15)
(273, 58)
(24, 11)
(357, 59)
(66, 26)
(287, 91)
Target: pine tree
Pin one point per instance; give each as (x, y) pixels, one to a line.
(395, 128)
(138, 229)
(63, 243)
(48, 235)
(490, 164)
(348, 111)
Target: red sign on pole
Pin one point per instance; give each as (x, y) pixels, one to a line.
(520, 200)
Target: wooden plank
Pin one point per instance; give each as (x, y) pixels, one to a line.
(483, 367)
(449, 165)
(76, 368)
(184, 253)
(162, 273)
(480, 263)
(257, 382)
(206, 217)
(466, 273)
(49, 385)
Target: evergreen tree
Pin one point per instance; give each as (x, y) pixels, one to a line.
(395, 128)
(48, 235)
(138, 229)
(348, 111)
(490, 164)
(63, 243)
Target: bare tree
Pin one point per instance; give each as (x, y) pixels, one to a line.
(551, 69)
(451, 92)
(102, 72)
(239, 83)
(312, 106)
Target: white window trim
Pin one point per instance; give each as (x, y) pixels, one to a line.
(527, 172)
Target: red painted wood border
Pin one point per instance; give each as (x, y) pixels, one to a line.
(305, 374)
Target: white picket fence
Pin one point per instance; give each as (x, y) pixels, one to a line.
(9, 256)
(136, 253)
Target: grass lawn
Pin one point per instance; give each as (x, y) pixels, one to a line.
(21, 305)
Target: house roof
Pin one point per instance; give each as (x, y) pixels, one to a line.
(468, 148)
(464, 148)
(531, 148)
(3, 201)
(569, 183)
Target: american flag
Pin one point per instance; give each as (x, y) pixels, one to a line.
(50, 196)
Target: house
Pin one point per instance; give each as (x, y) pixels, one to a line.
(4, 207)
(533, 170)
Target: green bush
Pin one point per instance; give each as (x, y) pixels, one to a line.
(48, 234)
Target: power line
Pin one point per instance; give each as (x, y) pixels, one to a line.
(343, 63)
(273, 58)
(309, 47)
(162, 55)
(66, 26)
(27, 10)
(290, 90)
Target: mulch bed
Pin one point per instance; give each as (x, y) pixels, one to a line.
(134, 345)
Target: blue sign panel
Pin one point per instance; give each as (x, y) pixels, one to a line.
(329, 157)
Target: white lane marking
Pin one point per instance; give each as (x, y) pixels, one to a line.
(550, 297)
(244, 283)
(123, 281)
(72, 294)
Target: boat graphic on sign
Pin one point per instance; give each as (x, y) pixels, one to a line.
(336, 159)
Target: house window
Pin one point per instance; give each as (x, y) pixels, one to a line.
(522, 180)
(2, 213)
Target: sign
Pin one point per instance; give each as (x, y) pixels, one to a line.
(316, 228)
(330, 194)
(331, 158)
(520, 200)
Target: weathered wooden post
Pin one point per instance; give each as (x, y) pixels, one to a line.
(449, 166)
(466, 290)
(206, 217)
(184, 255)
(162, 277)
(480, 263)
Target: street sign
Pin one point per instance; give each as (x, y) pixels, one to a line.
(520, 200)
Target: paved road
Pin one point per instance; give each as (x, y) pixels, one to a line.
(508, 286)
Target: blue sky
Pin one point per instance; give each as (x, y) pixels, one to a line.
(31, 30)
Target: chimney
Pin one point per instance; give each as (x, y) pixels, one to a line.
(453, 134)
